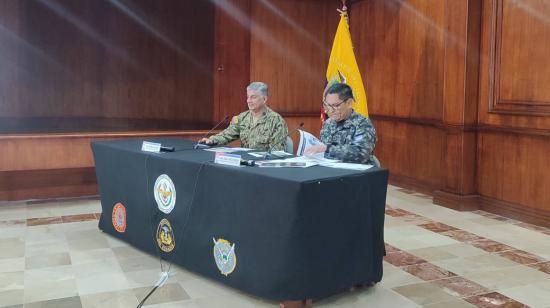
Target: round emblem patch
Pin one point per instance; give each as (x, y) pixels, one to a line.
(224, 255)
(165, 236)
(119, 217)
(165, 193)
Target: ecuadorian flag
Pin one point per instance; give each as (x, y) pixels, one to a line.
(342, 66)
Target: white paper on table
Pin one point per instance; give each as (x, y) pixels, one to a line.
(222, 150)
(242, 149)
(307, 140)
(284, 163)
(263, 154)
(350, 166)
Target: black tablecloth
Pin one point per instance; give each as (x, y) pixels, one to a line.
(298, 232)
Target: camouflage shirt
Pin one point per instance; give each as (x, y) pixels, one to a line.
(351, 140)
(269, 131)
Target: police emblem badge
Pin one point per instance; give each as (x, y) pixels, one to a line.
(165, 236)
(119, 217)
(224, 255)
(165, 193)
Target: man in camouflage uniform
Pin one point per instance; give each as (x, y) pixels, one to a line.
(258, 128)
(347, 135)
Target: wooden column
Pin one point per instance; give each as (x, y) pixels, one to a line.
(460, 98)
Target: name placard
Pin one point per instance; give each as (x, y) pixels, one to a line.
(150, 147)
(228, 159)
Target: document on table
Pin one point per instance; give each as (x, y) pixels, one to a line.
(226, 150)
(350, 166)
(262, 154)
(306, 140)
(294, 162)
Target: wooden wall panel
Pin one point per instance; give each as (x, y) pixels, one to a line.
(232, 57)
(411, 151)
(522, 27)
(95, 60)
(399, 47)
(290, 46)
(513, 76)
(513, 123)
(514, 168)
(65, 166)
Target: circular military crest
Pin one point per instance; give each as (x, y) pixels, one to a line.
(224, 255)
(165, 236)
(165, 193)
(119, 217)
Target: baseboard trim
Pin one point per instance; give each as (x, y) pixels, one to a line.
(474, 202)
(456, 201)
(515, 211)
(412, 184)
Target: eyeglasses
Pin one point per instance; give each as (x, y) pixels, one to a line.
(334, 106)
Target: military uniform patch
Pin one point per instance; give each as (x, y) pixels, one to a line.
(224, 255)
(165, 236)
(165, 193)
(119, 217)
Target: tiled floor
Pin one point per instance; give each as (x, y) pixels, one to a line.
(53, 255)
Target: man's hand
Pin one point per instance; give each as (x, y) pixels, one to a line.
(320, 148)
(206, 141)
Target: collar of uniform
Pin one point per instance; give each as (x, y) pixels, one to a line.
(347, 123)
(266, 114)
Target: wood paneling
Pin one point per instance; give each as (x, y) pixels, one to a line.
(414, 151)
(513, 126)
(514, 169)
(400, 49)
(62, 151)
(95, 59)
(64, 166)
(45, 184)
(290, 46)
(513, 73)
(521, 45)
(232, 57)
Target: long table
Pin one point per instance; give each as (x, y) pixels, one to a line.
(276, 233)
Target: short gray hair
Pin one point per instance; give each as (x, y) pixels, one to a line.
(258, 86)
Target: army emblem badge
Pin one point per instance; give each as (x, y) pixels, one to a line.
(119, 217)
(165, 236)
(224, 255)
(165, 193)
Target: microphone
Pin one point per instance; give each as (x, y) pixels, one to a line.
(201, 145)
(268, 153)
(250, 163)
(167, 149)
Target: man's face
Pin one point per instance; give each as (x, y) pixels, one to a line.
(337, 109)
(255, 100)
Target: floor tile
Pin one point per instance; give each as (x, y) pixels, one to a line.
(171, 292)
(67, 302)
(11, 297)
(424, 293)
(118, 299)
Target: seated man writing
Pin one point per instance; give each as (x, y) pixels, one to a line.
(258, 128)
(346, 135)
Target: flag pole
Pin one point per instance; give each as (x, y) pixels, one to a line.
(344, 10)
(344, 7)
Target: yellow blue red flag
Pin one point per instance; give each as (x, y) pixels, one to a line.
(342, 66)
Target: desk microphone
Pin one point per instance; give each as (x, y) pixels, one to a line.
(199, 145)
(167, 149)
(268, 153)
(250, 163)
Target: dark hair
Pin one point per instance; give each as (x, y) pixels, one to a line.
(343, 90)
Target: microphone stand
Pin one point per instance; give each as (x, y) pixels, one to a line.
(201, 145)
(269, 155)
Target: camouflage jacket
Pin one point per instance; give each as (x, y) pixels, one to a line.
(351, 140)
(269, 132)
